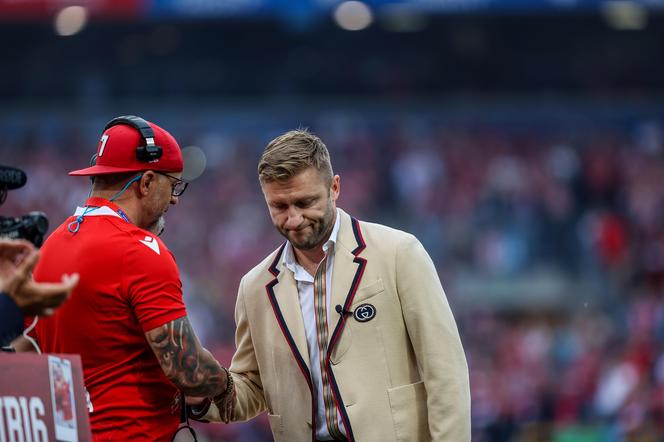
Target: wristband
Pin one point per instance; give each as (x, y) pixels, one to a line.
(229, 386)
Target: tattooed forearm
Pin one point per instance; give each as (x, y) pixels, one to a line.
(184, 360)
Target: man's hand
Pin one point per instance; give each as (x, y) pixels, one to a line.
(17, 260)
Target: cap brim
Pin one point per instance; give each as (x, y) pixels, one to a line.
(109, 170)
(103, 170)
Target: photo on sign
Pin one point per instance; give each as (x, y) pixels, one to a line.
(62, 396)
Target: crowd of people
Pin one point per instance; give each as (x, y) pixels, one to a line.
(493, 203)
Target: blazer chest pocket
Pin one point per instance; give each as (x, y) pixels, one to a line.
(363, 295)
(367, 292)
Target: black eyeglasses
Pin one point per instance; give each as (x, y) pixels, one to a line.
(178, 186)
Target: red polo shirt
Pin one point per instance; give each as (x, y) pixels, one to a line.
(129, 284)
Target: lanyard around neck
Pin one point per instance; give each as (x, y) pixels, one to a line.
(91, 205)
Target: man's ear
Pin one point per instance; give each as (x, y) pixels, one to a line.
(147, 182)
(335, 187)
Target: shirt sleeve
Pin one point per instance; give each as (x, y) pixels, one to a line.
(11, 319)
(152, 284)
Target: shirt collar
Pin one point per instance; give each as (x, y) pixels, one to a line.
(101, 206)
(95, 201)
(291, 263)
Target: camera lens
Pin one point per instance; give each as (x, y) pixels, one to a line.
(40, 221)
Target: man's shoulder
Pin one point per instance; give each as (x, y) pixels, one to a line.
(115, 235)
(382, 236)
(136, 240)
(143, 246)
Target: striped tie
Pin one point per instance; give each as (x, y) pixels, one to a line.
(320, 307)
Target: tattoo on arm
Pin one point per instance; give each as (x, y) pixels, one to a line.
(185, 361)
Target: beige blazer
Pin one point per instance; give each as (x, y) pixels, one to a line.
(400, 376)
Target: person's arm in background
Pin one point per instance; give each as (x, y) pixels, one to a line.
(21, 295)
(436, 342)
(249, 401)
(11, 319)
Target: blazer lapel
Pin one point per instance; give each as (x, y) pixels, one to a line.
(347, 273)
(286, 296)
(342, 279)
(283, 296)
(346, 277)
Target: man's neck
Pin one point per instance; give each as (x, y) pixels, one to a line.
(309, 259)
(125, 204)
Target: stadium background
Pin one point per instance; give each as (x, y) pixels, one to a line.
(520, 140)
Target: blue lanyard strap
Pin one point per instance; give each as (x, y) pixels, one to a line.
(122, 215)
(75, 225)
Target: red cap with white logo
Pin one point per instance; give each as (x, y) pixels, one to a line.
(117, 152)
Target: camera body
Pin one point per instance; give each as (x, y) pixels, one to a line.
(31, 227)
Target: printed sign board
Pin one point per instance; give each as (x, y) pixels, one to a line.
(42, 398)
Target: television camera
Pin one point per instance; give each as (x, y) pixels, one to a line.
(31, 227)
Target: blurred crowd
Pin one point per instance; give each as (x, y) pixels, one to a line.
(495, 204)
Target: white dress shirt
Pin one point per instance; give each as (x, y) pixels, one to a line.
(305, 289)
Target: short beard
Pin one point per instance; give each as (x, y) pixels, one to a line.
(321, 231)
(157, 228)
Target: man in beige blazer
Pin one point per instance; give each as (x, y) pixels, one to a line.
(382, 361)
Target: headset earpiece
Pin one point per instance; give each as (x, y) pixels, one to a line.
(93, 162)
(148, 152)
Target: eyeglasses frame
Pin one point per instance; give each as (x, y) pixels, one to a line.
(177, 181)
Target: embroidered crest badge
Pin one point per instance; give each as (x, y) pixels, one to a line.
(364, 313)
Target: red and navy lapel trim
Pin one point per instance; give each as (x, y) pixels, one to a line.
(361, 265)
(275, 262)
(269, 288)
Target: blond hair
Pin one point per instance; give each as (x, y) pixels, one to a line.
(291, 153)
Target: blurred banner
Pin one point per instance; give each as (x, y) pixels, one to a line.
(314, 7)
(114, 9)
(45, 9)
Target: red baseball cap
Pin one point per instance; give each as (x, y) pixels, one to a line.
(116, 152)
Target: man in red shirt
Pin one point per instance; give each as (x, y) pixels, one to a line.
(126, 317)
